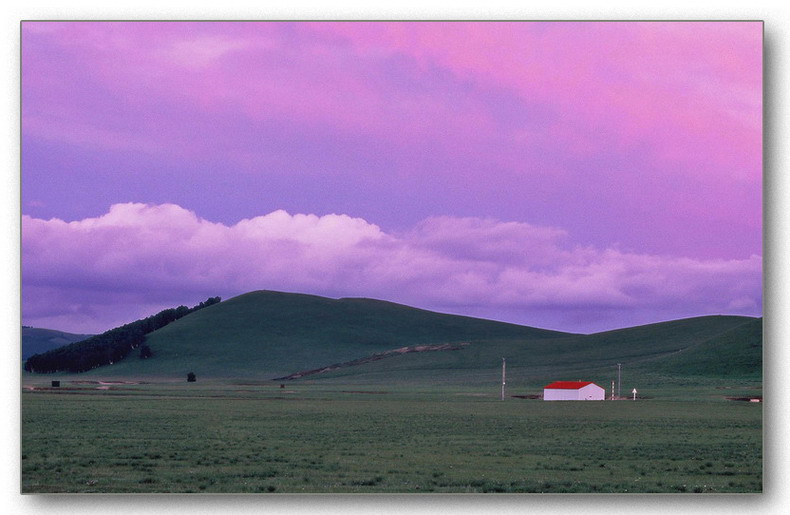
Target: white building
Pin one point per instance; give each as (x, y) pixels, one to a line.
(573, 391)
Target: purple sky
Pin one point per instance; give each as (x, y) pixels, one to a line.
(576, 176)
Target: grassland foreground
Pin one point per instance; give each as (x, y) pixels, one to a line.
(260, 438)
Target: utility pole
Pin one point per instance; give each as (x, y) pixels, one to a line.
(503, 379)
(618, 379)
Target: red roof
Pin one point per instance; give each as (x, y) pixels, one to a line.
(567, 385)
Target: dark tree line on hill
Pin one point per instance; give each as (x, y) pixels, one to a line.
(110, 346)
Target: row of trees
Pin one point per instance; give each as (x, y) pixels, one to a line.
(110, 346)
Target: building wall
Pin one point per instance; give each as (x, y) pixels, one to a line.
(560, 395)
(591, 392)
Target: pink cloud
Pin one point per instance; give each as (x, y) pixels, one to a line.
(658, 117)
(164, 253)
(629, 82)
(681, 87)
(265, 70)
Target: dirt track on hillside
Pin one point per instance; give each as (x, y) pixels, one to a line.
(374, 357)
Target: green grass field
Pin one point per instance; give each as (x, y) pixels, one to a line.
(414, 422)
(337, 438)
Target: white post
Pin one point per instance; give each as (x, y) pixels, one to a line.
(612, 397)
(634, 392)
(503, 379)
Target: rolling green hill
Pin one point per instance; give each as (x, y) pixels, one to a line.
(695, 349)
(36, 340)
(734, 353)
(266, 335)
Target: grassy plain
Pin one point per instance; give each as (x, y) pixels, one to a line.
(224, 437)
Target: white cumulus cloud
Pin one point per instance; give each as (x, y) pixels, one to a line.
(92, 272)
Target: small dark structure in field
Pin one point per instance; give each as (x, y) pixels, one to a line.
(191, 378)
(55, 384)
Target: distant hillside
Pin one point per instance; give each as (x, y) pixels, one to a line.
(109, 347)
(267, 334)
(734, 353)
(721, 347)
(36, 340)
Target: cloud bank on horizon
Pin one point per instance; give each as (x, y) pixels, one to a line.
(578, 176)
(155, 254)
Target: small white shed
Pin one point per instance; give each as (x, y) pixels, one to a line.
(573, 391)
